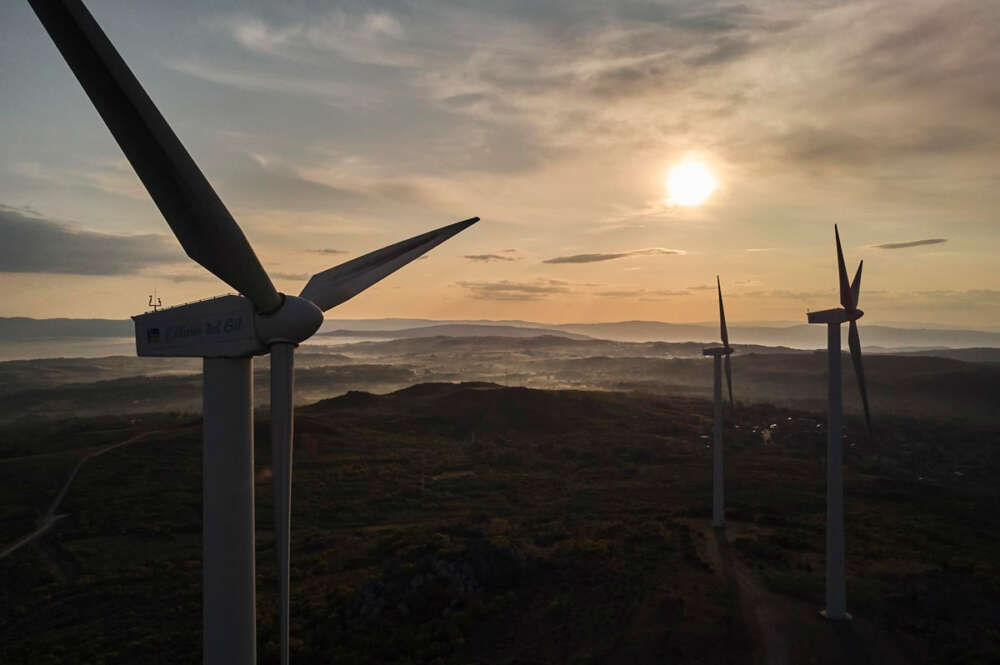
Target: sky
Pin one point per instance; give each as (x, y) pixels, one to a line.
(332, 129)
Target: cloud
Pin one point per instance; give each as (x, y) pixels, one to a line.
(555, 68)
(594, 258)
(281, 186)
(820, 146)
(702, 287)
(486, 258)
(374, 37)
(526, 84)
(33, 244)
(786, 294)
(328, 91)
(952, 303)
(522, 291)
(112, 176)
(25, 210)
(205, 276)
(643, 294)
(912, 243)
(963, 298)
(291, 275)
(329, 251)
(542, 288)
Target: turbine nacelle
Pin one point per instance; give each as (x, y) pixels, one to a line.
(717, 351)
(835, 316)
(224, 327)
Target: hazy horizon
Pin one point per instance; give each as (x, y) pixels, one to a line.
(90, 338)
(330, 323)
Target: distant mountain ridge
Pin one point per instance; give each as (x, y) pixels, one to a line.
(456, 330)
(800, 336)
(24, 328)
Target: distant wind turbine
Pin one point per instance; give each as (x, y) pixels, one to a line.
(718, 474)
(226, 331)
(836, 585)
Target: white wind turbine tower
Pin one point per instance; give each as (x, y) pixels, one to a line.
(836, 585)
(226, 331)
(718, 474)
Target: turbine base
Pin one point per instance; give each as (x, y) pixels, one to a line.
(847, 616)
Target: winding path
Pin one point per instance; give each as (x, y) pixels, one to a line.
(785, 630)
(51, 517)
(756, 603)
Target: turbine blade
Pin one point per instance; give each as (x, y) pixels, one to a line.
(341, 283)
(845, 287)
(854, 341)
(722, 315)
(856, 285)
(196, 215)
(729, 378)
(282, 427)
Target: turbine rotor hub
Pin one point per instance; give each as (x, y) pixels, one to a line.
(295, 321)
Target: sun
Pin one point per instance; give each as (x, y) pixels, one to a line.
(690, 183)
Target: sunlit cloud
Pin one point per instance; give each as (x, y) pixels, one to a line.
(324, 89)
(786, 294)
(372, 37)
(510, 290)
(648, 294)
(594, 258)
(112, 176)
(912, 243)
(183, 277)
(487, 258)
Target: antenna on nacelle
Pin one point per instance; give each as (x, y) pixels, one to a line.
(154, 302)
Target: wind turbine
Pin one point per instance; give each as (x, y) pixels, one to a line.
(718, 353)
(836, 586)
(226, 331)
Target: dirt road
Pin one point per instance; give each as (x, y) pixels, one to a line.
(758, 608)
(785, 630)
(51, 517)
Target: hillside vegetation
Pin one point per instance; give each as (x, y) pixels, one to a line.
(472, 523)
